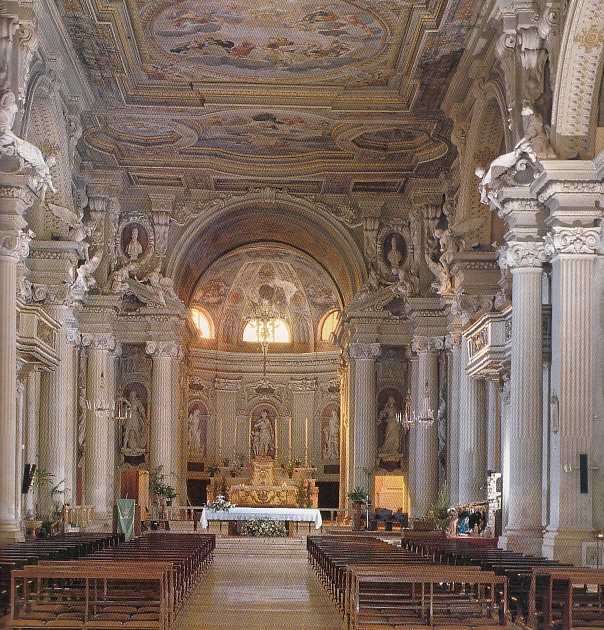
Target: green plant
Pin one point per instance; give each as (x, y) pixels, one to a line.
(158, 486)
(262, 527)
(303, 497)
(358, 495)
(213, 469)
(439, 511)
(225, 461)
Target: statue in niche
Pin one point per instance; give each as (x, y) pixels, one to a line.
(331, 434)
(396, 253)
(263, 441)
(134, 248)
(194, 430)
(388, 415)
(135, 426)
(394, 256)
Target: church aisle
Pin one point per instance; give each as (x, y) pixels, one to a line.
(259, 583)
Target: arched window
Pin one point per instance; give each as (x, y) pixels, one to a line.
(275, 333)
(202, 323)
(328, 325)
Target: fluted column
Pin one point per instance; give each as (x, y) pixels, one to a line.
(493, 426)
(364, 431)
(574, 251)
(472, 434)
(426, 435)
(453, 343)
(30, 434)
(98, 482)
(164, 420)
(57, 442)
(414, 397)
(15, 199)
(523, 531)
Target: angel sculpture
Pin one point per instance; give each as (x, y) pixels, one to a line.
(78, 230)
(85, 279)
(26, 152)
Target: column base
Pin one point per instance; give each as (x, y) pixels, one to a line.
(10, 532)
(527, 540)
(566, 545)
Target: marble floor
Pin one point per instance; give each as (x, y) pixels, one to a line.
(259, 583)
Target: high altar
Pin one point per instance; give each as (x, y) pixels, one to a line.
(268, 485)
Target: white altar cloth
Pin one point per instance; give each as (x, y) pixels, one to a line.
(307, 515)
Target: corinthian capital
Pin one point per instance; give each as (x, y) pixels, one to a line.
(573, 240)
(522, 254)
(421, 343)
(14, 243)
(164, 349)
(364, 351)
(102, 341)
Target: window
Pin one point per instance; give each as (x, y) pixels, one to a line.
(277, 333)
(328, 325)
(202, 323)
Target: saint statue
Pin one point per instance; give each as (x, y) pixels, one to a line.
(134, 248)
(331, 433)
(194, 430)
(388, 414)
(262, 436)
(135, 426)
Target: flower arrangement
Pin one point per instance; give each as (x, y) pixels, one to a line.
(263, 527)
(219, 503)
(358, 495)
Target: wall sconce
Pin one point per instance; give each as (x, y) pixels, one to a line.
(554, 412)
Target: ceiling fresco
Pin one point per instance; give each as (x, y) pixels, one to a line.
(343, 89)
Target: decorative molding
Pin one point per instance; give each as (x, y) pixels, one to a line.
(554, 188)
(573, 240)
(227, 384)
(421, 344)
(303, 384)
(453, 341)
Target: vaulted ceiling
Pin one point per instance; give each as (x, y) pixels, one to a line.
(321, 97)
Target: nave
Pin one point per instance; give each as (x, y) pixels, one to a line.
(259, 583)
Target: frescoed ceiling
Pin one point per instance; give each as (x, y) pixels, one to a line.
(335, 91)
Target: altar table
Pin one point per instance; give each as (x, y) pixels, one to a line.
(306, 515)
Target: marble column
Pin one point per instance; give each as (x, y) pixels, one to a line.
(30, 434)
(98, 482)
(227, 390)
(14, 244)
(364, 421)
(523, 531)
(414, 397)
(344, 374)
(573, 251)
(472, 434)
(58, 418)
(453, 343)
(493, 426)
(165, 355)
(426, 434)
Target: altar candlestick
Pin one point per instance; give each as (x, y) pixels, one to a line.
(220, 439)
(305, 441)
(235, 441)
(290, 440)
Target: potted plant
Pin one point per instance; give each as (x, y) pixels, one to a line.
(359, 497)
(213, 469)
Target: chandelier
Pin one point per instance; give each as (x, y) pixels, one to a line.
(423, 416)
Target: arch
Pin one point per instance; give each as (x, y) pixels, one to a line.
(578, 76)
(202, 320)
(281, 218)
(328, 324)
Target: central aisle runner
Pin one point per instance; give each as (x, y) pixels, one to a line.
(263, 583)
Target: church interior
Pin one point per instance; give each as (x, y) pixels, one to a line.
(287, 251)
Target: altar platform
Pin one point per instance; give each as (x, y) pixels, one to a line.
(288, 515)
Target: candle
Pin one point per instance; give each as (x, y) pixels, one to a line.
(235, 440)
(220, 439)
(305, 441)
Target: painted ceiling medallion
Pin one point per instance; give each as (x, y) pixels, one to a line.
(277, 39)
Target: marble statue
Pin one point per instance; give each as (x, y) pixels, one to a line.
(194, 430)
(134, 248)
(394, 256)
(135, 426)
(262, 436)
(331, 433)
(388, 414)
